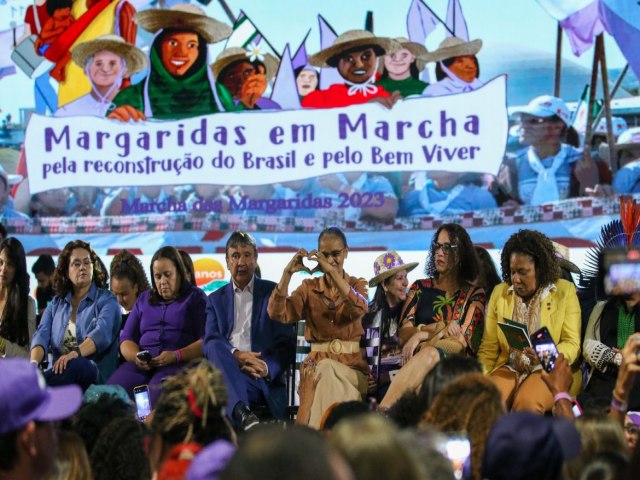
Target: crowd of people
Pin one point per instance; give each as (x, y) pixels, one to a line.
(422, 382)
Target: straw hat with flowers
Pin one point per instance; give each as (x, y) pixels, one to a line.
(233, 54)
(387, 265)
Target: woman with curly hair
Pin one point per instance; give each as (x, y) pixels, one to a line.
(17, 308)
(470, 404)
(443, 314)
(532, 295)
(80, 326)
(128, 281)
(191, 409)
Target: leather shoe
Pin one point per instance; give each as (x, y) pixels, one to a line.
(245, 417)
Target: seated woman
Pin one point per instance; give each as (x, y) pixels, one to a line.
(443, 314)
(333, 305)
(534, 296)
(80, 326)
(167, 321)
(383, 319)
(17, 308)
(128, 281)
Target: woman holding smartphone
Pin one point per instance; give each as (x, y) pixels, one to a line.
(532, 295)
(165, 327)
(17, 308)
(333, 305)
(80, 326)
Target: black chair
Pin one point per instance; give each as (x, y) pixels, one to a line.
(293, 376)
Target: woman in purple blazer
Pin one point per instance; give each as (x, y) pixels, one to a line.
(167, 322)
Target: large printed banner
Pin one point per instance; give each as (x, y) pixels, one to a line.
(458, 133)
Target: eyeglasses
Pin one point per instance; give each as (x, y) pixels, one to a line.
(446, 247)
(335, 254)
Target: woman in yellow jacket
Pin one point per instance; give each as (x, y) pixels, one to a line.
(533, 295)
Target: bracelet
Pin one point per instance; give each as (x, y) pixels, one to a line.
(562, 396)
(618, 406)
(178, 354)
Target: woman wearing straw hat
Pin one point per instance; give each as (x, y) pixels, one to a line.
(356, 55)
(457, 68)
(443, 314)
(179, 83)
(383, 319)
(107, 61)
(246, 73)
(402, 69)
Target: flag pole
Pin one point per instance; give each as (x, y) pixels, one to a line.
(227, 10)
(556, 87)
(592, 98)
(613, 90)
(611, 142)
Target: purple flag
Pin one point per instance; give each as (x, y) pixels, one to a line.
(582, 27)
(622, 21)
(456, 22)
(285, 92)
(300, 58)
(420, 22)
(328, 76)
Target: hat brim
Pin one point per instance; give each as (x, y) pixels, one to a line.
(271, 63)
(392, 271)
(210, 29)
(568, 265)
(461, 50)
(14, 179)
(62, 403)
(567, 436)
(134, 58)
(320, 58)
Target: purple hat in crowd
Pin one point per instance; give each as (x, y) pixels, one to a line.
(209, 463)
(525, 445)
(24, 396)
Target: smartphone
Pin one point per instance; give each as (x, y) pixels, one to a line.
(144, 356)
(621, 271)
(143, 403)
(545, 348)
(457, 448)
(576, 408)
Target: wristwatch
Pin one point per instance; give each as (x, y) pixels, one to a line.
(77, 350)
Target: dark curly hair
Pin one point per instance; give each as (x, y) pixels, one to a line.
(536, 245)
(119, 451)
(466, 262)
(125, 265)
(61, 282)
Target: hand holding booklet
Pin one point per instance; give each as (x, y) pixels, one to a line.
(516, 333)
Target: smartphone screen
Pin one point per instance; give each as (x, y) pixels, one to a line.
(545, 348)
(457, 449)
(143, 404)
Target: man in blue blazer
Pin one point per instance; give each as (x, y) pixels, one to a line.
(252, 350)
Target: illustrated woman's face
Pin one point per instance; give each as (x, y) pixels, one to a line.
(399, 63)
(105, 68)
(179, 51)
(307, 82)
(465, 68)
(358, 66)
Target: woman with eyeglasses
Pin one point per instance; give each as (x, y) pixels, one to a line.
(532, 295)
(333, 305)
(80, 326)
(549, 167)
(443, 314)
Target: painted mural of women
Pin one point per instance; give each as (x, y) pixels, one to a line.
(107, 61)
(457, 67)
(179, 83)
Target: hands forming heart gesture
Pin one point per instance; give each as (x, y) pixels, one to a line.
(296, 264)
